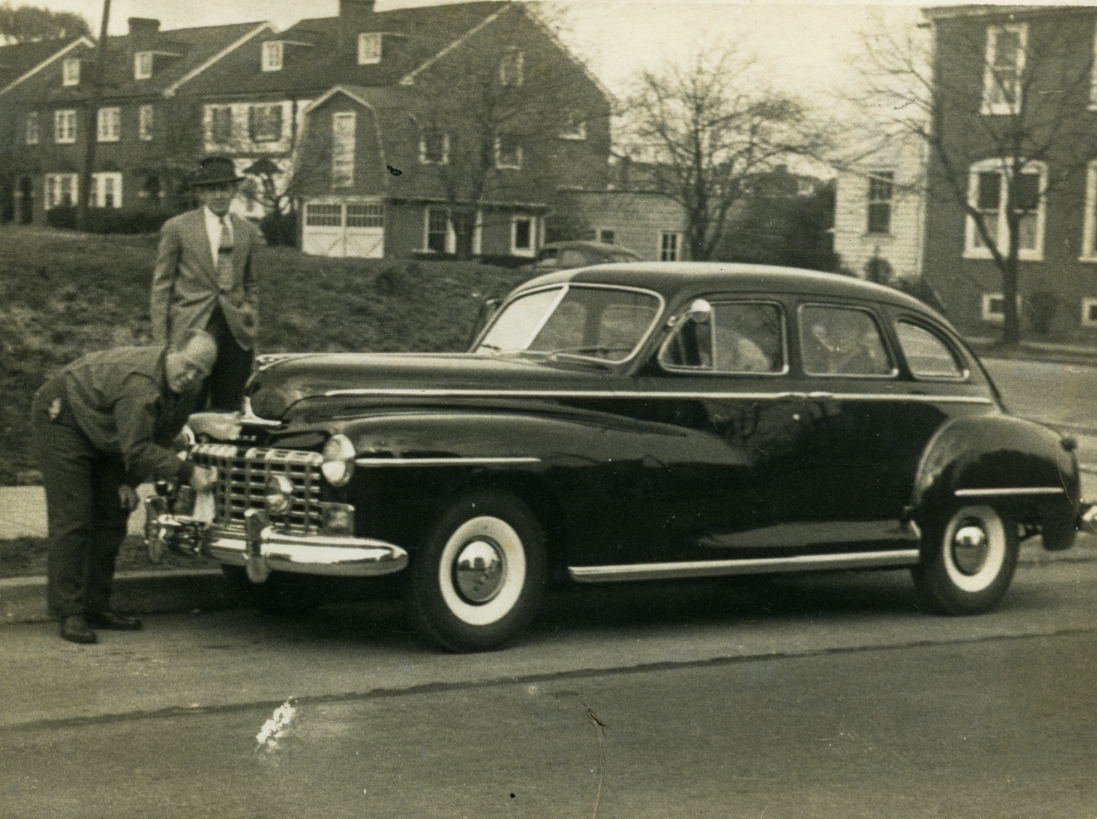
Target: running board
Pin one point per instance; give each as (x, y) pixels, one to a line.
(894, 559)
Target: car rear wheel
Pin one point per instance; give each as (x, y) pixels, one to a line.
(480, 576)
(968, 560)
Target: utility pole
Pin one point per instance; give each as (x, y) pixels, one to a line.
(91, 124)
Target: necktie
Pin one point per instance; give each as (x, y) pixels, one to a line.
(224, 256)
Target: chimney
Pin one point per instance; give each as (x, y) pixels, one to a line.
(144, 26)
(353, 15)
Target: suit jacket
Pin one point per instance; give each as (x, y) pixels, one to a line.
(185, 284)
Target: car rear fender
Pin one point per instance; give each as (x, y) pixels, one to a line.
(1021, 468)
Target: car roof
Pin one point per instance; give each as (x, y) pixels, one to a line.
(673, 279)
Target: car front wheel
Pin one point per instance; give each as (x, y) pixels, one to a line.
(968, 559)
(480, 576)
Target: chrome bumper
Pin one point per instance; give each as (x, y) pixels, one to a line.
(262, 548)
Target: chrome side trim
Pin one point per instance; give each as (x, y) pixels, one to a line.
(444, 461)
(1010, 490)
(710, 568)
(396, 392)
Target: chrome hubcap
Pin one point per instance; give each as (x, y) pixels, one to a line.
(479, 570)
(970, 547)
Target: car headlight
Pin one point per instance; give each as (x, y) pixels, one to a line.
(338, 465)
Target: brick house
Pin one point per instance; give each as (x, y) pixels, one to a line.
(145, 142)
(1022, 75)
(20, 64)
(389, 128)
(879, 207)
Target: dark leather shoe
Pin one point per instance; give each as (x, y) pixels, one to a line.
(110, 620)
(75, 629)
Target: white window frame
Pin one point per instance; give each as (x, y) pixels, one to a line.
(369, 48)
(523, 251)
(54, 184)
(273, 55)
(1088, 306)
(451, 235)
(993, 316)
(972, 247)
(675, 252)
(876, 180)
(264, 109)
(424, 159)
(214, 110)
(342, 156)
(143, 63)
(512, 67)
(108, 124)
(1089, 221)
(70, 71)
(991, 85)
(32, 130)
(64, 126)
(99, 189)
(146, 122)
(516, 165)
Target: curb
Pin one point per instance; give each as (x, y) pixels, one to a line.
(23, 599)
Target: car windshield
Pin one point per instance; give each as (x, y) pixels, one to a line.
(595, 322)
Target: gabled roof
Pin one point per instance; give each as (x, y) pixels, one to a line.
(22, 60)
(991, 10)
(322, 56)
(181, 55)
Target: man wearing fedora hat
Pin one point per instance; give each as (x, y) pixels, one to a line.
(205, 279)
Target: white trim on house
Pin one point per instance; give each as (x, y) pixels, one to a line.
(409, 78)
(86, 41)
(973, 248)
(1089, 312)
(190, 75)
(991, 86)
(1089, 220)
(515, 250)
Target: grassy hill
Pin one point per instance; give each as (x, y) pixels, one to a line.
(63, 294)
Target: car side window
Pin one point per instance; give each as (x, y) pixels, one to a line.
(842, 341)
(572, 258)
(927, 355)
(746, 338)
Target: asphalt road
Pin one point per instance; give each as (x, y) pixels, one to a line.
(821, 696)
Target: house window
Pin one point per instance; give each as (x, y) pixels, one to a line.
(142, 65)
(31, 132)
(668, 247)
(146, 121)
(508, 153)
(265, 123)
(1005, 63)
(434, 147)
(1089, 221)
(1089, 312)
(60, 190)
(70, 71)
(343, 127)
(365, 215)
(106, 190)
(990, 188)
(323, 215)
(511, 67)
(994, 308)
(606, 236)
(109, 124)
(272, 55)
(440, 237)
(522, 235)
(220, 124)
(64, 127)
(574, 127)
(369, 48)
(881, 186)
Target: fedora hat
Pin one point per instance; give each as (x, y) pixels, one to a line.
(215, 170)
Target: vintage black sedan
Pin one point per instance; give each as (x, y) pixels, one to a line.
(633, 422)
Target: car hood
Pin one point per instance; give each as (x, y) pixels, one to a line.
(283, 384)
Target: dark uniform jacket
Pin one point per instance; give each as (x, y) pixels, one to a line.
(120, 400)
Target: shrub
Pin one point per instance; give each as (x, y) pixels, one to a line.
(138, 219)
(1042, 307)
(280, 229)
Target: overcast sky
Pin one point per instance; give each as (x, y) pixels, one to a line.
(809, 46)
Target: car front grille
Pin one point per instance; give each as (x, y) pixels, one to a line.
(242, 475)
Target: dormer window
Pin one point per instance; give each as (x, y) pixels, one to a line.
(369, 48)
(142, 65)
(574, 126)
(70, 71)
(434, 147)
(272, 55)
(511, 67)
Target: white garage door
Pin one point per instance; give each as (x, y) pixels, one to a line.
(344, 229)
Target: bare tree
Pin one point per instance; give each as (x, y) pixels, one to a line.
(1003, 109)
(30, 24)
(708, 126)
